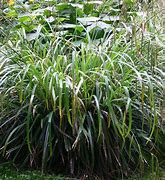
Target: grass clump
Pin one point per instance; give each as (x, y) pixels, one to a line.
(88, 107)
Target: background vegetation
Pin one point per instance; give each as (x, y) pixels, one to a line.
(82, 87)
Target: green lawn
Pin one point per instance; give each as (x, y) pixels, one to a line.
(9, 173)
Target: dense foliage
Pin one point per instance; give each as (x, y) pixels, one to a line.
(82, 86)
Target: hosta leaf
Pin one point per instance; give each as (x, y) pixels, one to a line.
(88, 20)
